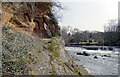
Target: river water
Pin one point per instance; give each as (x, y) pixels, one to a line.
(102, 65)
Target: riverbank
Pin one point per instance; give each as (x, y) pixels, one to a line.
(101, 65)
(83, 70)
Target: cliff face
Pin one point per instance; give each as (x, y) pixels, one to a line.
(25, 54)
(35, 17)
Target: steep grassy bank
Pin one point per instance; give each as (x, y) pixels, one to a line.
(18, 51)
(27, 55)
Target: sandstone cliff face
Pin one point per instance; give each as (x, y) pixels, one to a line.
(35, 17)
(24, 54)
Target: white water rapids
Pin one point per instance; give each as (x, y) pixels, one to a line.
(102, 65)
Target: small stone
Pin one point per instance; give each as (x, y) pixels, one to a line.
(39, 51)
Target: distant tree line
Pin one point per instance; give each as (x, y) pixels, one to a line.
(110, 36)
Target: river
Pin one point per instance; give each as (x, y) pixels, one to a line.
(106, 62)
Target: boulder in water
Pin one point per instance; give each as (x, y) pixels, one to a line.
(106, 55)
(86, 54)
(95, 57)
(110, 48)
(79, 53)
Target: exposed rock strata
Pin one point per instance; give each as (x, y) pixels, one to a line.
(36, 18)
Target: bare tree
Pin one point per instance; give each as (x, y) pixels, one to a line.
(66, 35)
(110, 33)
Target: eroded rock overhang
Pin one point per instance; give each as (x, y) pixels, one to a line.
(34, 17)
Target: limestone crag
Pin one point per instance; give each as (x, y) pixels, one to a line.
(35, 17)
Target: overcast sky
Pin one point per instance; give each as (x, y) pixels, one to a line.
(89, 14)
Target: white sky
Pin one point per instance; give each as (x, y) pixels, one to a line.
(89, 14)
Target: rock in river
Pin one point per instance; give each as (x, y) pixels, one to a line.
(95, 57)
(84, 53)
(106, 55)
(79, 53)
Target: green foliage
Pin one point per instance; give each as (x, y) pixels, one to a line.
(54, 50)
(54, 47)
(73, 68)
(18, 50)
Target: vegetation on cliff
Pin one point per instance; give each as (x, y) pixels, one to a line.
(24, 54)
(32, 43)
(18, 51)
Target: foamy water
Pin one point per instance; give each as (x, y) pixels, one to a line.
(101, 66)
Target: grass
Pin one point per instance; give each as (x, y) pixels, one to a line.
(73, 68)
(18, 51)
(52, 66)
(77, 59)
(54, 50)
(54, 47)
